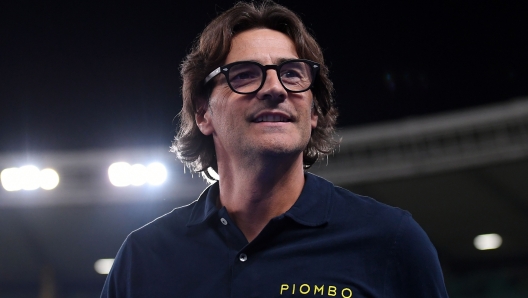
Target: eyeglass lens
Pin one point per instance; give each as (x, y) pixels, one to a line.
(248, 77)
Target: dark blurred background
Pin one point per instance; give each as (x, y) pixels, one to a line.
(84, 81)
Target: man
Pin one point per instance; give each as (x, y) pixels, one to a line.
(258, 110)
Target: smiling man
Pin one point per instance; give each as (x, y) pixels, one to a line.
(258, 111)
(260, 128)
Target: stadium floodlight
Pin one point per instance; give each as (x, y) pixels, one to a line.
(123, 174)
(138, 174)
(30, 176)
(157, 173)
(48, 179)
(103, 266)
(487, 241)
(11, 179)
(119, 174)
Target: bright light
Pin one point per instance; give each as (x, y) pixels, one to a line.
(119, 174)
(157, 174)
(30, 177)
(123, 174)
(11, 179)
(103, 266)
(487, 241)
(49, 179)
(138, 175)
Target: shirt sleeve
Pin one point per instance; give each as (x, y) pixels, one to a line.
(413, 268)
(117, 281)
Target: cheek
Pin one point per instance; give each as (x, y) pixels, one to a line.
(224, 116)
(219, 99)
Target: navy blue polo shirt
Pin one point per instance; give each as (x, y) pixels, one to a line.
(331, 243)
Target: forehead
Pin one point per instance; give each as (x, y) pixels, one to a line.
(265, 46)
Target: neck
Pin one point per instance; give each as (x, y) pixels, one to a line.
(255, 193)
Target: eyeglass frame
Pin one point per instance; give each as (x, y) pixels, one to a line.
(314, 66)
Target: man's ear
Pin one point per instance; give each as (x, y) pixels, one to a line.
(314, 116)
(314, 120)
(203, 120)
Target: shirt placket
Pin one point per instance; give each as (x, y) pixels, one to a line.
(239, 257)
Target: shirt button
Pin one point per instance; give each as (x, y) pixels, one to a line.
(224, 221)
(243, 257)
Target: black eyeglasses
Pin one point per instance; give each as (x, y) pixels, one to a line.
(246, 77)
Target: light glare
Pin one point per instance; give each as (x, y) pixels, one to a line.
(30, 177)
(49, 179)
(11, 179)
(138, 174)
(119, 174)
(487, 241)
(157, 174)
(103, 266)
(123, 174)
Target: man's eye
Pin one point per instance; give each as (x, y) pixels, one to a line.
(291, 74)
(244, 76)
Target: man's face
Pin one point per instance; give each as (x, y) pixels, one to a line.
(271, 121)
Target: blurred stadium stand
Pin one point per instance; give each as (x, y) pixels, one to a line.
(460, 174)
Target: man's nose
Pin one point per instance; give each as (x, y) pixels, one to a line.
(272, 88)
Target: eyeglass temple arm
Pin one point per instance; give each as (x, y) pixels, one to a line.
(212, 75)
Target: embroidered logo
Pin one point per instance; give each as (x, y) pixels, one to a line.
(315, 290)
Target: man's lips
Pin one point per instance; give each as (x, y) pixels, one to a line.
(272, 117)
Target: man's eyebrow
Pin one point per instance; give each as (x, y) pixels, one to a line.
(277, 62)
(282, 60)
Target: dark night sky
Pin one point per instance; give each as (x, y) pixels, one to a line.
(98, 74)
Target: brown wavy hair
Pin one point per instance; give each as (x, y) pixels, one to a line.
(210, 50)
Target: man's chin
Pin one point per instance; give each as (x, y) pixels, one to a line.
(281, 150)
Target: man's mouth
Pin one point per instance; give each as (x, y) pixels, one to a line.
(272, 118)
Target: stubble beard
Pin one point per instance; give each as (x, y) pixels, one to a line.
(272, 151)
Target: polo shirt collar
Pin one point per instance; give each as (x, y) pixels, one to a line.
(311, 208)
(205, 206)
